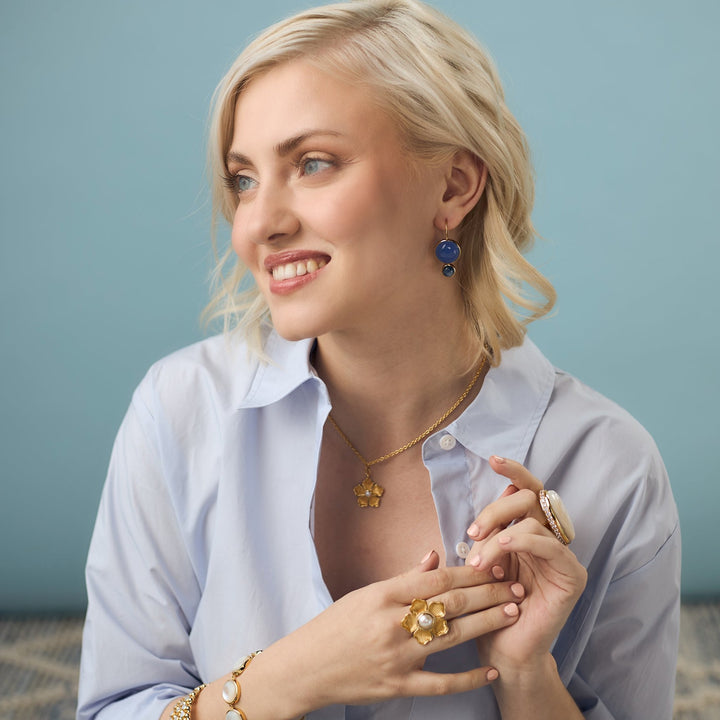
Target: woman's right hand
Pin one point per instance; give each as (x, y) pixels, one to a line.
(357, 652)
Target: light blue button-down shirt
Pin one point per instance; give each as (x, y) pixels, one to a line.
(203, 547)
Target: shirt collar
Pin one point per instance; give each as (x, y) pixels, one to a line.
(286, 368)
(504, 416)
(501, 420)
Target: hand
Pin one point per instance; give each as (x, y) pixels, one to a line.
(357, 652)
(513, 542)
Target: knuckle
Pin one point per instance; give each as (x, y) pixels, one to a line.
(455, 634)
(528, 497)
(440, 581)
(395, 685)
(455, 603)
(496, 592)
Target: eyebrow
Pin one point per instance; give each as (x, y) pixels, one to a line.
(282, 149)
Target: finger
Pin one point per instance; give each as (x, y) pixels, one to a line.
(509, 490)
(517, 473)
(431, 583)
(430, 562)
(527, 536)
(422, 682)
(499, 514)
(475, 625)
(464, 601)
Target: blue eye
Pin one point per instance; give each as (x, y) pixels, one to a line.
(239, 184)
(314, 165)
(244, 183)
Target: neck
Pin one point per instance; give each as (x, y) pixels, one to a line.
(387, 388)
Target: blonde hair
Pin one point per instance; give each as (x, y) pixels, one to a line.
(444, 93)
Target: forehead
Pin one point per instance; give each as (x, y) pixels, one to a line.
(296, 97)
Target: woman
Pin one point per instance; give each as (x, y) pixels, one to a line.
(278, 492)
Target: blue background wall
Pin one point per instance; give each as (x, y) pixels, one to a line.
(104, 243)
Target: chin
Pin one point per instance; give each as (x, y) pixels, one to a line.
(293, 329)
(294, 335)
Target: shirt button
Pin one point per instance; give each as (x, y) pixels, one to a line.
(447, 442)
(462, 549)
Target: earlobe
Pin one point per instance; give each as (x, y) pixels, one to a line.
(464, 186)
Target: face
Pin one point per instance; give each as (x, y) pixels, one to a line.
(332, 220)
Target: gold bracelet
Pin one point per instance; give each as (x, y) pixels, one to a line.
(183, 708)
(231, 691)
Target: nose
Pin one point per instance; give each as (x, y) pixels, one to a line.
(267, 216)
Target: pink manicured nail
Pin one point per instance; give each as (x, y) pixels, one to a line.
(492, 674)
(499, 460)
(517, 590)
(511, 610)
(427, 557)
(473, 530)
(475, 561)
(498, 572)
(504, 539)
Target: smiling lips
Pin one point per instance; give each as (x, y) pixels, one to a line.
(292, 270)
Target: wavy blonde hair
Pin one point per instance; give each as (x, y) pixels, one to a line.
(444, 93)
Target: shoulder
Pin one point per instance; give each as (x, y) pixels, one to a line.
(587, 418)
(609, 471)
(586, 410)
(218, 371)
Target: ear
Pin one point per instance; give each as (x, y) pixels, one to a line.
(464, 185)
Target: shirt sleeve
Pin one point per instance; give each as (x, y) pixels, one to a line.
(636, 632)
(142, 590)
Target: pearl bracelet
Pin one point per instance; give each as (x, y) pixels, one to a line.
(183, 708)
(231, 691)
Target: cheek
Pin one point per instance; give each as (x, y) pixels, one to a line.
(243, 248)
(356, 211)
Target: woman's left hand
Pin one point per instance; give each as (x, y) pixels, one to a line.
(526, 551)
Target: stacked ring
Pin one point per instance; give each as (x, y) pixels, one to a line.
(425, 621)
(558, 519)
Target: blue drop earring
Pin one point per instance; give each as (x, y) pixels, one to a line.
(447, 251)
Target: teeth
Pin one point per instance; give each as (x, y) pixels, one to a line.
(291, 270)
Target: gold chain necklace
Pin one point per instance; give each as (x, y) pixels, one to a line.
(368, 492)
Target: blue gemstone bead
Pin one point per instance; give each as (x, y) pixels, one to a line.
(448, 270)
(447, 251)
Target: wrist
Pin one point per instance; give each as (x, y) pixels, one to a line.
(529, 676)
(267, 693)
(534, 685)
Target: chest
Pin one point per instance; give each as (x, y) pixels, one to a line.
(360, 545)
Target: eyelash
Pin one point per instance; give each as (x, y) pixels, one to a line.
(231, 181)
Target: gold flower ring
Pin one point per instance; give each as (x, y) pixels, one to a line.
(426, 621)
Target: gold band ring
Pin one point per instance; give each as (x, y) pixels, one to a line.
(558, 519)
(426, 621)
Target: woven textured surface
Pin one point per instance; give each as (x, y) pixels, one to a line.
(39, 666)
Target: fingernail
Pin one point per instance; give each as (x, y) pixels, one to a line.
(475, 561)
(473, 530)
(427, 557)
(499, 460)
(517, 590)
(498, 572)
(504, 539)
(511, 610)
(492, 674)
